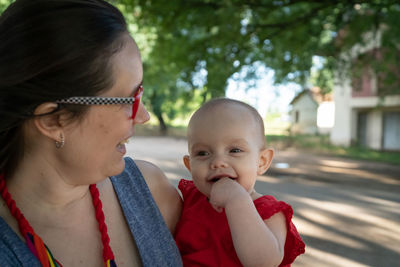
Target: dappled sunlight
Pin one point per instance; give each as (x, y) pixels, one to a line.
(341, 226)
(281, 165)
(359, 173)
(356, 213)
(347, 212)
(325, 231)
(268, 179)
(387, 205)
(309, 228)
(314, 255)
(339, 164)
(298, 178)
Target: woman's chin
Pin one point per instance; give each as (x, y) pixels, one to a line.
(118, 168)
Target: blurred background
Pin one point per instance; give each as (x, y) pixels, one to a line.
(324, 76)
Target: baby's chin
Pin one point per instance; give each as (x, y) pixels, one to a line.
(205, 193)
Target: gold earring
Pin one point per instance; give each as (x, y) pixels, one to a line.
(60, 144)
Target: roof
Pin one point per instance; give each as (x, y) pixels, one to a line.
(315, 94)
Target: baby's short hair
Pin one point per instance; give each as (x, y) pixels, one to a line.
(209, 105)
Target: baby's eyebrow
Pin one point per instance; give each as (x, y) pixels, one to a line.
(239, 141)
(196, 146)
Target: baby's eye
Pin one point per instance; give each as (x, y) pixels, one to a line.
(202, 153)
(235, 150)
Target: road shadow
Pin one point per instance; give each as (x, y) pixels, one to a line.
(347, 211)
(346, 214)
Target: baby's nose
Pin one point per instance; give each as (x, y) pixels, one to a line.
(218, 162)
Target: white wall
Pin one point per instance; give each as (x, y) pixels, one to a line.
(325, 117)
(307, 109)
(341, 133)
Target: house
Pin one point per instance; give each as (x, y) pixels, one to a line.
(364, 118)
(362, 115)
(312, 112)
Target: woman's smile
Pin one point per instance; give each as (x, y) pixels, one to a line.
(121, 146)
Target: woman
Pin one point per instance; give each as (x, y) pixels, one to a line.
(70, 87)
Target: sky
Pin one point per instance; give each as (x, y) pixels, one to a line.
(264, 95)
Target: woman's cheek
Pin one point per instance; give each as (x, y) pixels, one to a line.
(127, 110)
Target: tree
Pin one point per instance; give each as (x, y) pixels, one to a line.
(207, 41)
(193, 46)
(4, 4)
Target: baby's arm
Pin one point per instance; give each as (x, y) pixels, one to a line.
(257, 242)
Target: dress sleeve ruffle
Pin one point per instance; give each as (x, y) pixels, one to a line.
(294, 246)
(186, 186)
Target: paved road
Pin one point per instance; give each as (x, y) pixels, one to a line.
(347, 211)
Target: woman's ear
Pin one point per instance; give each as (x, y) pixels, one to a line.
(186, 161)
(264, 160)
(49, 125)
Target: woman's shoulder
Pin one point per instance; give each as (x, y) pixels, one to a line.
(139, 171)
(147, 173)
(151, 172)
(154, 177)
(164, 193)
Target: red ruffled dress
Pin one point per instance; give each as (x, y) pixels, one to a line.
(203, 235)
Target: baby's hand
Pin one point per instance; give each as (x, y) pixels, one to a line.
(226, 191)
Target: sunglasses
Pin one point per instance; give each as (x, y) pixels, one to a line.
(103, 100)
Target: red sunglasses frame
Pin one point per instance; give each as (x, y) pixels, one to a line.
(135, 106)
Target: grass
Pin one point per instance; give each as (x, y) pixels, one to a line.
(153, 130)
(315, 144)
(322, 145)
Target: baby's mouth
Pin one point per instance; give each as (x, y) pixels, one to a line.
(217, 178)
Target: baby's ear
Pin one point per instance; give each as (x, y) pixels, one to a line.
(264, 160)
(186, 161)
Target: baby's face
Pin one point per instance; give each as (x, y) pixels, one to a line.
(224, 143)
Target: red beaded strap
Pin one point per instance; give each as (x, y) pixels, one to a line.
(108, 255)
(23, 224)
(35, 243)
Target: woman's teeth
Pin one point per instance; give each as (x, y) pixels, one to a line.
(124, 142)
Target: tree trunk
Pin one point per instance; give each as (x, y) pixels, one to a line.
(163, 127)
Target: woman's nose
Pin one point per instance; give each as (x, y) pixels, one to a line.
(142, 115)
(218, 162)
